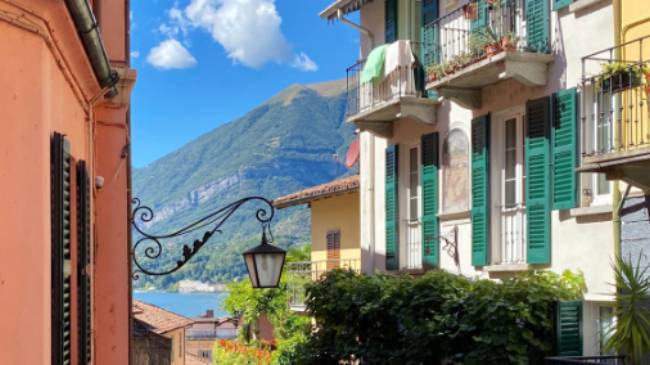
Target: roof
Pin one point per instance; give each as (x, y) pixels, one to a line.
(332, 188)
(346, 6)
(160, 320)
(191, 359)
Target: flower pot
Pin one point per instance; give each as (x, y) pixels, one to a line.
(620, 81)
(507, 44)
(647, 84)
(470, 11)
(491, 49)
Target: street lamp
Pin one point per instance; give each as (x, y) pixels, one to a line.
(264, 262)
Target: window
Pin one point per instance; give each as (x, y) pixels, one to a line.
(206, 354)
(414, 180)
(455, 157)
(333, 249)
(411, 217)
(606, 323)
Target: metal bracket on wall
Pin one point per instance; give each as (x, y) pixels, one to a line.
(451, 244)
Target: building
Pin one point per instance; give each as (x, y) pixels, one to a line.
(335, 237)
(205, 330)
(158, 330)
(64, 182)
(474, 120)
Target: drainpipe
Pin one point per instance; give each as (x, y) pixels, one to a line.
(361, 29)
(88, 30)
(617, 202)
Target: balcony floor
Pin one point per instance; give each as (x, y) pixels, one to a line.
(379, 117)
(632, 166)
(464, 86)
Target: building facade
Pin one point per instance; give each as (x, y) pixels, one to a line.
(64, 181)
(475, 119)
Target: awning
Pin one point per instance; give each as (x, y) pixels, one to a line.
(345, 6)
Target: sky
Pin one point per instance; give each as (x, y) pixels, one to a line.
(202, 63)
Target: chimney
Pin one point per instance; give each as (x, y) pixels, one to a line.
(209, 313)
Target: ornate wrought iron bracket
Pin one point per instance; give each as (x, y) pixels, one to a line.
(142, 214)
(451, 244)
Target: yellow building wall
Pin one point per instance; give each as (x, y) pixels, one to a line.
(178, 346)
(336, 213)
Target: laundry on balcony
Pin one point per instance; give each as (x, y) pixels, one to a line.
(373, 70)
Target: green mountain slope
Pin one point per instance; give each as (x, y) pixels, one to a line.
(288, 143)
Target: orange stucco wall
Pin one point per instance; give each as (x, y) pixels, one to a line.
(47, 83)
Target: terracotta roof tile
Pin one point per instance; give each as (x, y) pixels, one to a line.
(160, 320)
(339, 186)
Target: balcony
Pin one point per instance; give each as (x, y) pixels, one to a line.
(616, 113)
(398, 94)
(480, 44)
(299, 274)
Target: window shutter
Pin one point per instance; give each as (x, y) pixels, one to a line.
(429, 183)
(565, 158)
(538, 25)
(61, 245)
(569, 328)
(481, 21)
(538, 187)
(83, 262)
(480, 190)
(560, 4)
(391, 21)
(392, 213)
(429, 36)
(333, 249)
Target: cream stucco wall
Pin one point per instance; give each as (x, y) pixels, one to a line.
(340, 212)
(582, 239)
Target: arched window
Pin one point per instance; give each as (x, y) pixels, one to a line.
(455, 170)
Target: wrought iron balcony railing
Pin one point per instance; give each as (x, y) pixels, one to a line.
(470, 33)
(405, 81)
(615, 91)
(585, 360)
(301, 273)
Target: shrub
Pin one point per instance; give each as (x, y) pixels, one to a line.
(437, 317)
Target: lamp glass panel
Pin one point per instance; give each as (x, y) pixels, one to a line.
(250, 265)
(269, 268)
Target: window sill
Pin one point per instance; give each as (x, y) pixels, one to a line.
(582, 4)
(592, 210)
(507, 268)
(454, 215)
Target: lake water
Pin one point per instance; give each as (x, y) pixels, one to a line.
(186, 304)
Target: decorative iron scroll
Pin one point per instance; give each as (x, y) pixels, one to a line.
(451, 245)
(152, 243)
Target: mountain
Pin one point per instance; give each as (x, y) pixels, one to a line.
(289, 142)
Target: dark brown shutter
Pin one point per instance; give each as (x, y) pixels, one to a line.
(61, 245)
(333, 249)
(83, 262)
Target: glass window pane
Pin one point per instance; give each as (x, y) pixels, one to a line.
(510, 194)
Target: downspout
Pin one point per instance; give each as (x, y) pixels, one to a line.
(88, 30)
(361, 29)
(617, 202)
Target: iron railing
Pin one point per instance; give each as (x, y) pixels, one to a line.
(299, 274)
(473, 32)
(585, 360)
(405, 81)
(615, 90)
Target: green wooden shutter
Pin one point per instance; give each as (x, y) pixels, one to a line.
(391, 21)
(84, 322)
(538, 24)
(560, 4)
(538, 187)
(480, 190)
(568, 328)
(392, 211)
(61, 249)
(483, 13)
(565, 153)
(429, 35)
(429, 183)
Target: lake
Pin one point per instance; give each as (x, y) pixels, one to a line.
(186, 304)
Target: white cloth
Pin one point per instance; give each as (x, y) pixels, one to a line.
(398, 68)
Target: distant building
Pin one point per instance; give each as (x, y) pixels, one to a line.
(200, 336)
(189, 286)
(335, 232)
(158, 335)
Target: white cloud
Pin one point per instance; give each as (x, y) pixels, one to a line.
(302, 62)
(135, 54)
(170, 54)
(249, 30)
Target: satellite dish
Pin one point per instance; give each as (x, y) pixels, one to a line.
(352, 157)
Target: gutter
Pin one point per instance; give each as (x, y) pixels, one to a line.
(88, 31)
(361, 29)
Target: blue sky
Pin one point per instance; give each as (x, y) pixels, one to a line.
(205, 62)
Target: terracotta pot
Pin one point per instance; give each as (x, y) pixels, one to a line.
(470, 11)
(506, 44)
(491, 49)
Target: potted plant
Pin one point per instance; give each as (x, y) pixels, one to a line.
(434, 72)
(618, 76)
(470, 10)
(493, 45)
(509, 42)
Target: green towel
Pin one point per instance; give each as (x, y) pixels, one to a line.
(374, 67)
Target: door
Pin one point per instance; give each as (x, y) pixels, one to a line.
(411, 218)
